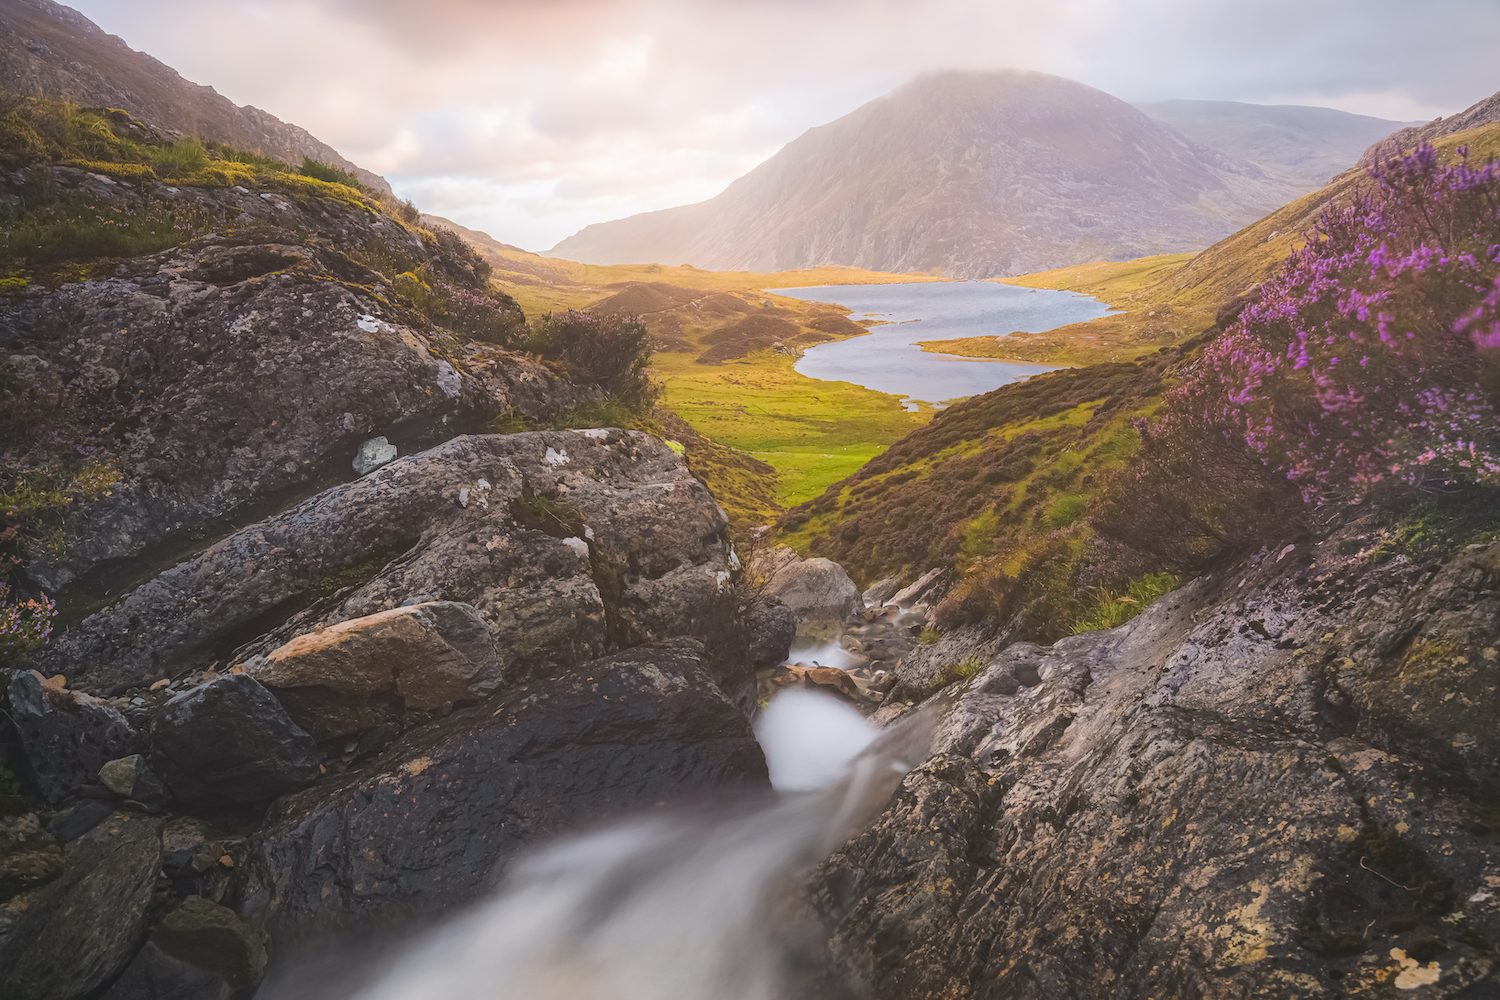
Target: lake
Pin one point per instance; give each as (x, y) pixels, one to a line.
(889, 361)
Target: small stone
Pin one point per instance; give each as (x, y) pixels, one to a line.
(160, 684)
(373, 454)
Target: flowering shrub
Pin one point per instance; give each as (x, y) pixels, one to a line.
(25, 626)
(1371, 364)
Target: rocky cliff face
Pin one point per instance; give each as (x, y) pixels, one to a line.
(47, 49)
(1278, 782)
(979, 174)
(1485, 112)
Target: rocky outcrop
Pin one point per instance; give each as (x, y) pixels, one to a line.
(1278, 782)
(567, 543)
(217, 381)
(1485, 112)
(819, 591)
(390, 668)
(452, 802)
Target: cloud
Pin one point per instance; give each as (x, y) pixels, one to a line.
(532, 114)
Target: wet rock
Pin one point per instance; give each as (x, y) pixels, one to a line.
(373, 454)
(772, 627)
(1251, 789)
(879, 593)
(64, 736)
(624, 546)
(29, 856)
(198, 950)
(130, 777)
(452, 802)
(395, 666)
(73, 822)
(80, 930)
(925, 592)
(818, 591)
(228, 743)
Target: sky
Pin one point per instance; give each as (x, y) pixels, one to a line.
(530, 119)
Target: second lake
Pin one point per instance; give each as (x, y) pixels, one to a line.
(888, 360)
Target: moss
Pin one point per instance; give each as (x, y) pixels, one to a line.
(348, 577)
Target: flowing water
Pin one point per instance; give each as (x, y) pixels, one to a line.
(693, 905)
(888, 360)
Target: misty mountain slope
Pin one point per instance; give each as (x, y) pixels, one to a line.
(48, 50)
(1301, 146)
(979, 174)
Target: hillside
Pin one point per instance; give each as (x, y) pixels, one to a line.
(1479, 114)
(970, 174)
(1300, 146)
(49, 50)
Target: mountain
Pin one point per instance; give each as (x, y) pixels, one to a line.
(978, 174)
(1301, 146)
(48, 50)
(1485, 112)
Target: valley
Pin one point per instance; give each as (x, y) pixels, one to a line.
(1054, 555)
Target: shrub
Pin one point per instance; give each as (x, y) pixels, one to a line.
(1371, 364)
(612, 352)
(318, 170)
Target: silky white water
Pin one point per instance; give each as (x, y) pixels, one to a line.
(691, 905)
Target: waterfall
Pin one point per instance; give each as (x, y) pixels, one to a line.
(687, 905)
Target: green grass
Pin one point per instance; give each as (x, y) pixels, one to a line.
(1111, 608)
(813, 433)
(81, 229)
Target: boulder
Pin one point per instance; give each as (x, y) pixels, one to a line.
(196, 858)
(130, 777)
(199, 950)
(567, 543)
(396, 666)
(925, 592)
(64, 736)
(772, 627)
(81, 929)
(880, 592)
(453, 801)
(230, 743)
(818, 591)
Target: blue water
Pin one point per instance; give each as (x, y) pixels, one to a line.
(889, 361)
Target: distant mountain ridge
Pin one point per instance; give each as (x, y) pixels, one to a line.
(1300, 146)
(49, 50)
(974, 174)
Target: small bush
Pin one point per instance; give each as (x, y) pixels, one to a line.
(612, 352)
(1111, 608)
(179, 159)
(1064, 510)
(318, 170)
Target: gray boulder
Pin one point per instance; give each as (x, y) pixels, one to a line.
(879, 593)
(228, 743)
(819, 592)
(453, 801)
(64, 736)
(772, 627)
(131, 778)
